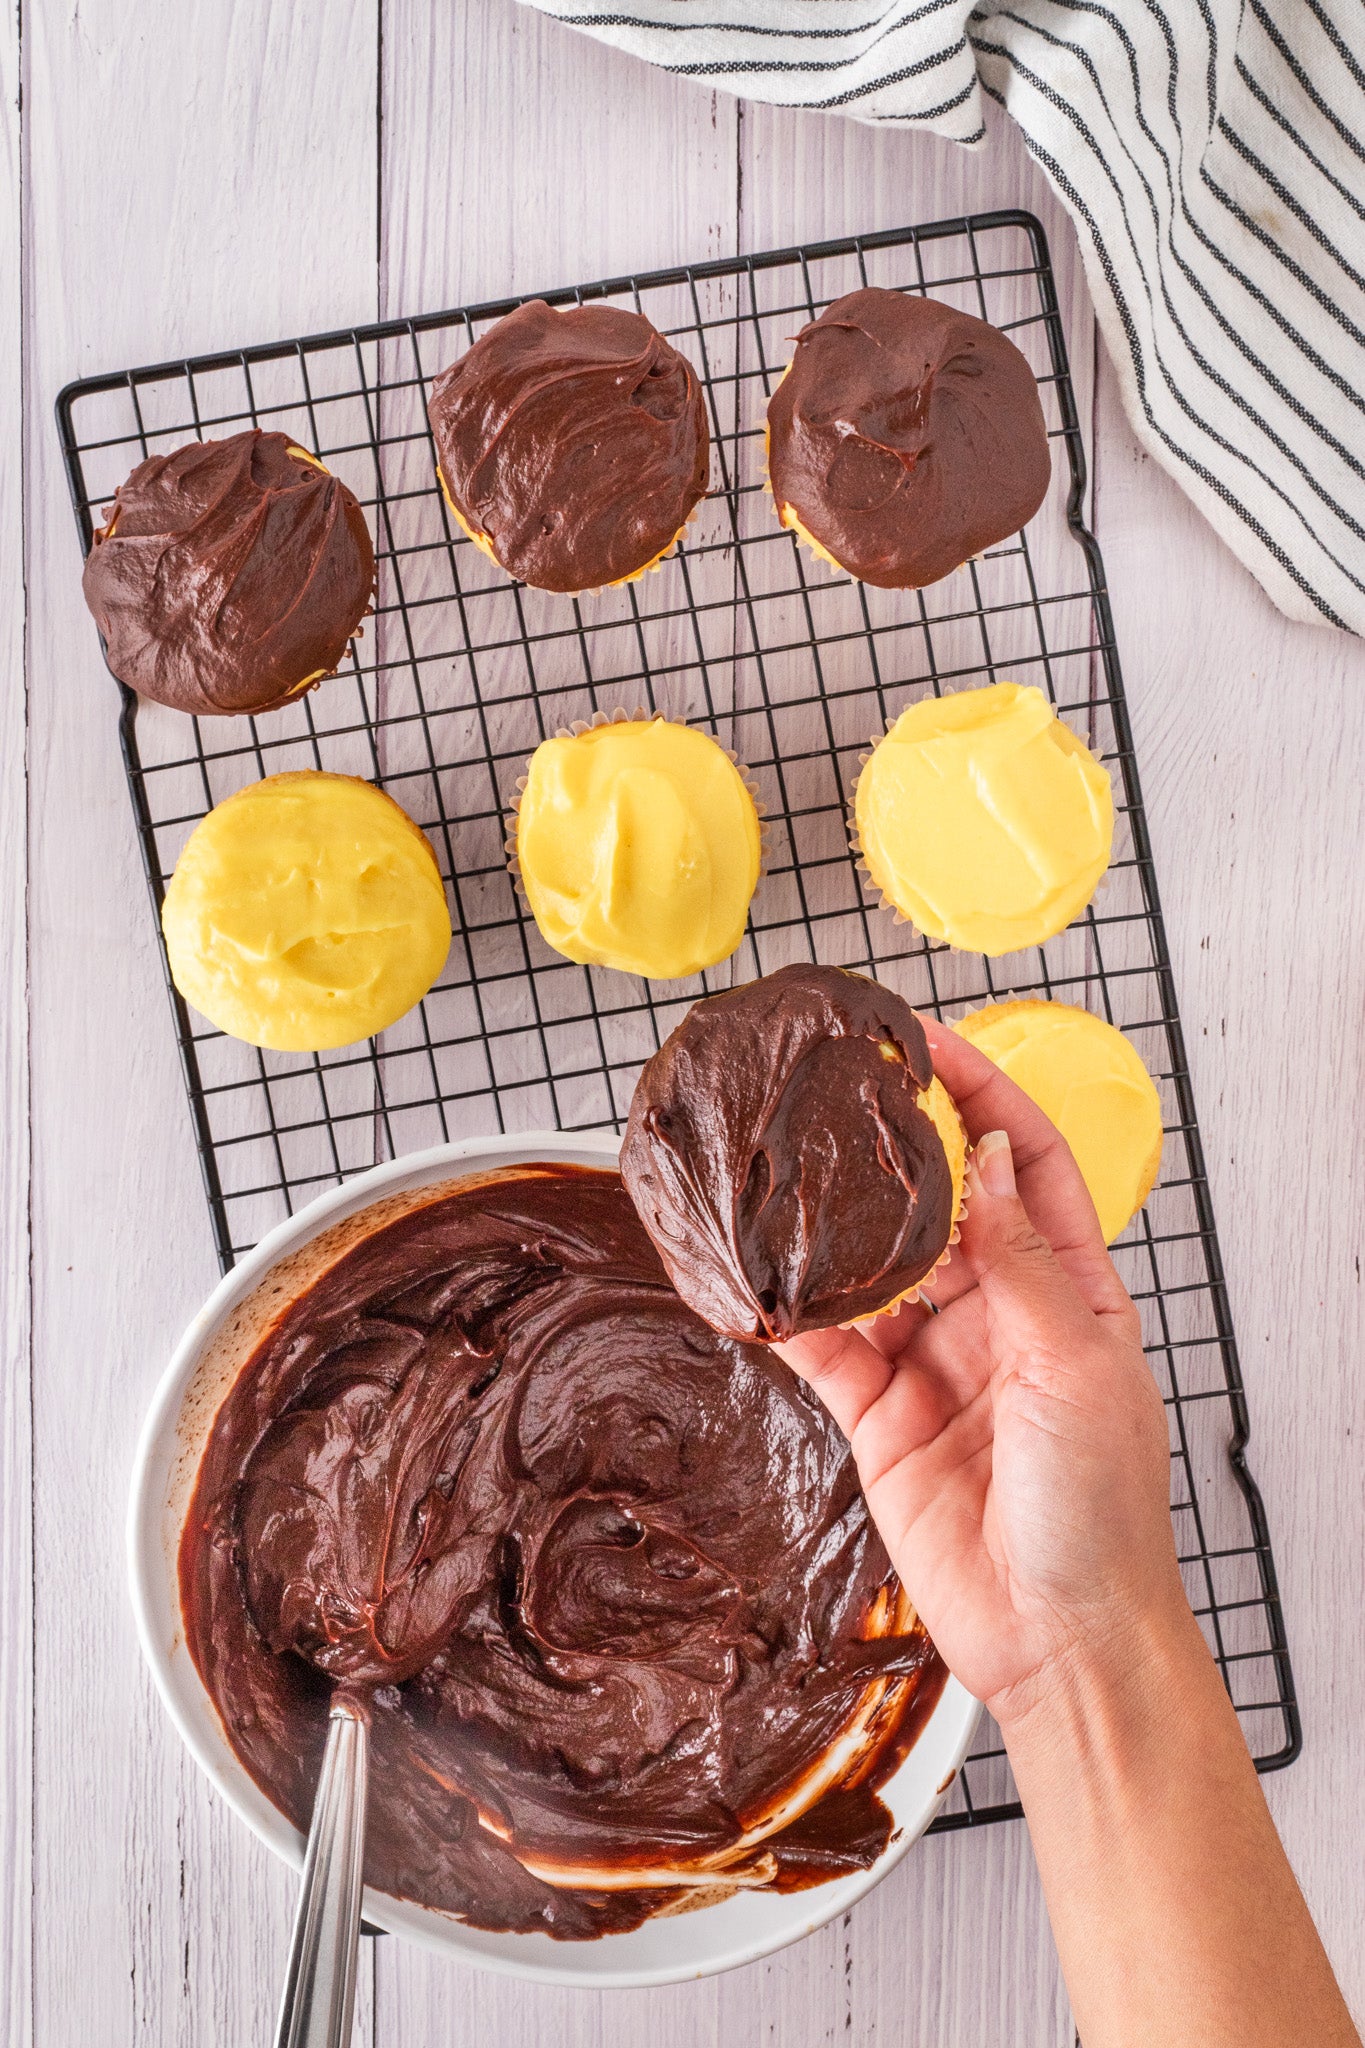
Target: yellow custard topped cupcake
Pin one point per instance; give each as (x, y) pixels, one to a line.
(305, 912)
(984, 820)
(1091, 1082)
(637, 843)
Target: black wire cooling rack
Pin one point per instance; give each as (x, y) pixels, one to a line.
(461, 672)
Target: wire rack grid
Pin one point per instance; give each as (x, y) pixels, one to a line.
(461, 672)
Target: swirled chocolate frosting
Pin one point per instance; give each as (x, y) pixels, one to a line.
(779, 1159)
(607, 1578)
(906, 437)
(228, 574)
(574, 442)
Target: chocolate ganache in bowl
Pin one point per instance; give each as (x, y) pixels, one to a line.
(629, 1642)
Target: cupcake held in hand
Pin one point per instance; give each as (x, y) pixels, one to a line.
(984, 820)
(572, 446)
(905, 438)
(637, 846)
(230, 576)
(305, 912)
(793, 1156)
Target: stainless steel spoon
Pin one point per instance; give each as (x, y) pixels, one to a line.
(319, 1988)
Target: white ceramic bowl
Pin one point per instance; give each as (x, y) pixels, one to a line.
(740, 1928)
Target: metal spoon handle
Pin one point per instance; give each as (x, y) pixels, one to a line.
(319, 1989)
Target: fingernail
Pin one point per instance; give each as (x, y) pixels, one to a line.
(995, 1163)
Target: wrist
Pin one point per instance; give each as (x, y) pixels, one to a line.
(1176, 1915)
(1145, 1662)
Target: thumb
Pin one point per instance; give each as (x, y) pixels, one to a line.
(1008, 1257)
(1024, 1285)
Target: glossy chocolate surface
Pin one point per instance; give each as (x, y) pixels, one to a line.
(228, 573)
(604, 1576)
(779, 1159)
(906, 437)
(575, 442)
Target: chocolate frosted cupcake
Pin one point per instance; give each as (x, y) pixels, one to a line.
(788, 1151)
(230, 575)
(572, 446)
(905, 438)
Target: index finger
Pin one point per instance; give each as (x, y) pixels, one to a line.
(1049, 1181)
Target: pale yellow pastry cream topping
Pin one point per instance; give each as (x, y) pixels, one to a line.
(984, 820)
(638, 846)
(1091, 1082)
(305, 912)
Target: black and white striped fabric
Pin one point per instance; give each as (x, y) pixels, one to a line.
(1212, 156)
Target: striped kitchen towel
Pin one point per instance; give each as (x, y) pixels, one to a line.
(1212, 156)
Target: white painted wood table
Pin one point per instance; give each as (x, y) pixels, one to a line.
(187, 174)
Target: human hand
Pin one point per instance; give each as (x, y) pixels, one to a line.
(1013, 1446)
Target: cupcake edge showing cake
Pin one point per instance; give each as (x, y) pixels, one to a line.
(637, 845)
(1089, 1055)
(230, 575)
(904, 438)
(571, 445)
(321, 945)
(782, 1156)
(929, 852)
